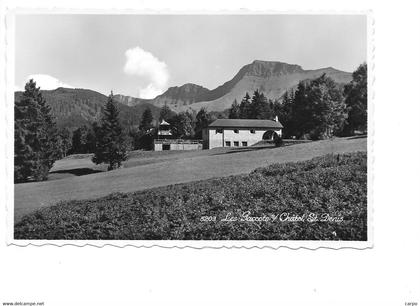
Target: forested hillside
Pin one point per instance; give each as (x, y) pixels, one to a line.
(73, 108)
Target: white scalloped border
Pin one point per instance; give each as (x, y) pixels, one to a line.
(8, 94)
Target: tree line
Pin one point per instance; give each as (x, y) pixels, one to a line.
(316, 109)
(39, 143)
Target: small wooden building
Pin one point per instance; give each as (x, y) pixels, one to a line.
(165, 140)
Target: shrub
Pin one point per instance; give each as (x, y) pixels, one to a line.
(332, 184)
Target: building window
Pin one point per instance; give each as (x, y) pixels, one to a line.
(227, 143)
(236, 131)
(252, 131)
(219, 131)
(236, 143)
(244, 143)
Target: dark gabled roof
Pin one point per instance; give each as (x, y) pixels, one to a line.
(164, 122)
(246, 123)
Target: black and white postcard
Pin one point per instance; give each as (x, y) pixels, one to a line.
(198, 128)
(209, 152)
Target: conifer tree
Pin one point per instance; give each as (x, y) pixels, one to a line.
(283, 111)
(234, 111)
(165, 113)
(146, 120)
(245, 107)
(111, 147)
(260, 109)
(36, 136)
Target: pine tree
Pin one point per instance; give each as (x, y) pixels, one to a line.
(165, 113)
(111, 147)
(245, 107)
(301, 113)
(283, 111)
(91, 138)
(260, 109)
(234, 111)
(36, 136)
(146, 120)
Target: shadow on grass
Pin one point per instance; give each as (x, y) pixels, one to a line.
(245, 150)
(357, 137)
(60, 174)
(77, 171)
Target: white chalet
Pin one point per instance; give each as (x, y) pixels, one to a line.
(239, 132)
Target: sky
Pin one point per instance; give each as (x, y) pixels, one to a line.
(143, 55)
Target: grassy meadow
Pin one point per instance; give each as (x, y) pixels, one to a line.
(82, 180)
(333, 185)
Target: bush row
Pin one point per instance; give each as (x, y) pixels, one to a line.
(332, 185)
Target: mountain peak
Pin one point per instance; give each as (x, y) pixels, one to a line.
(271, 68)
(128, 100)
(181, 95)
(187, 91)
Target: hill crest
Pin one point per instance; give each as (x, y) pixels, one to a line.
(73, 107)
(273, 78)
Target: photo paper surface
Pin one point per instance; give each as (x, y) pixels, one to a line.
(191, 130)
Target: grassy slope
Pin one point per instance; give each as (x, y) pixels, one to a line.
(333, 186)
(192, 166)
(135, 158)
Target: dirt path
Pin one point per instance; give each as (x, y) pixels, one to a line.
(31, 196)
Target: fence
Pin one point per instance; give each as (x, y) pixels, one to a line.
(178, 141)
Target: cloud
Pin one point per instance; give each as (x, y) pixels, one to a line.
(152, 71)
(150, 92)
(45, 81)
